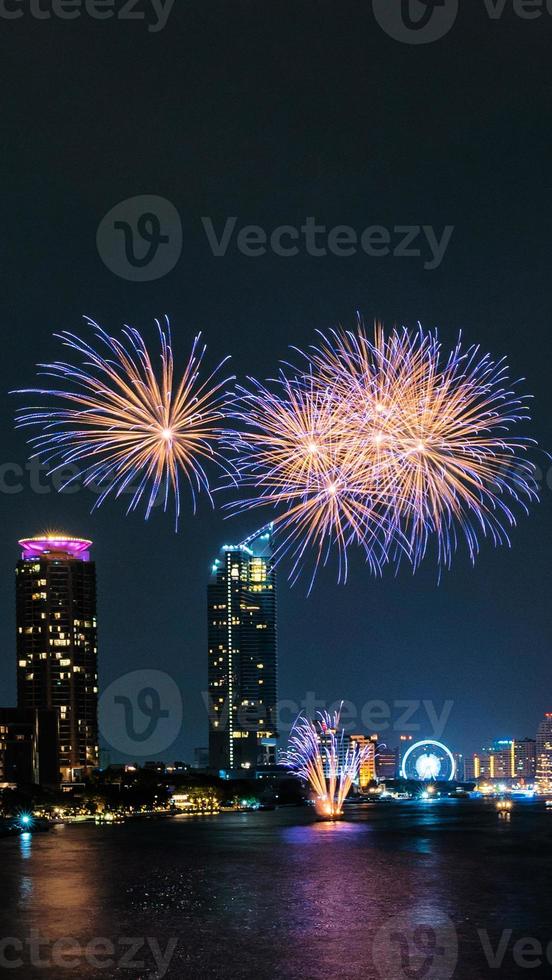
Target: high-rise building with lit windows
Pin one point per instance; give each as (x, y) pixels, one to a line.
(544, 754)
(56, 643)
(242, 643)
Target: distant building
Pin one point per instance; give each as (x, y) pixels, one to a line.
(367, 771)
(56, 643)
(504, 760)
(495, 761)
(201, 757)
(28, 747)
(525, 758)
(178, 766)
(544, 753)
(459, 762)
(242, 643)
(469, 769)
(387, 763)
(405, 741)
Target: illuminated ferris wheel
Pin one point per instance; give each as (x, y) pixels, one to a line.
(428, 760)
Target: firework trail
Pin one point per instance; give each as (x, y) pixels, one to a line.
(385, 443)
(131, 428)
(320, 753)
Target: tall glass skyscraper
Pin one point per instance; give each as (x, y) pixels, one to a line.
(56, 643)
(242, 642)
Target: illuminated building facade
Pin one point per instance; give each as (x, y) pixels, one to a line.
(505, 759)
(56, 643)
(496, 761)
(544, 753)
(242, 641)
(367, 769)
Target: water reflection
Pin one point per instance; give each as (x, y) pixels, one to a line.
(289, 896)
(25, 888)
(320, 830)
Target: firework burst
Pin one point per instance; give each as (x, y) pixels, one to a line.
(436, 427)
(320, 753)
(129, 427)
(296, 451)
(385, 443)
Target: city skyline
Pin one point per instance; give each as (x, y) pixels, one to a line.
(277, 264)
(254, 550)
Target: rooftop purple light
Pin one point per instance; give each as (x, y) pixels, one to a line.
(51, 544)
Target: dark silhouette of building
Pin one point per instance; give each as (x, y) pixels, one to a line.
(201, 757)
(387, 762)
(29, 746)
(243, 655)
(56, 643)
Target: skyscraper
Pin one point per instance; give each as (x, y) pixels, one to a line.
(242, 644)
(56, 643)
(544, 753)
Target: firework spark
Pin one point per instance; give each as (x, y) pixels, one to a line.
(130, 428)
(385, 443)
(320, 753)
(294, 451)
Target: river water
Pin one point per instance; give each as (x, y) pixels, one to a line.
(415, 890)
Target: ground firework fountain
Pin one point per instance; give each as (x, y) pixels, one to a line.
(320, 753)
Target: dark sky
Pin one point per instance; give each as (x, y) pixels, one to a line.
(273, 112)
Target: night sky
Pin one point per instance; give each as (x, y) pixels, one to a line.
(273, 112)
